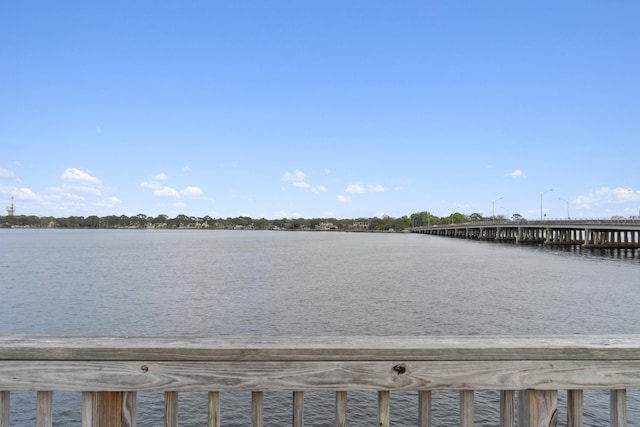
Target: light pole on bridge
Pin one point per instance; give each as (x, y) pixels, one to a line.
(541, 194)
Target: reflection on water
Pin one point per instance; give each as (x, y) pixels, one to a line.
(122, 282)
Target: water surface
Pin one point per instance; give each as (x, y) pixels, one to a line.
(131, 282)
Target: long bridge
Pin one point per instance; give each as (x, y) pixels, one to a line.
(596, 234)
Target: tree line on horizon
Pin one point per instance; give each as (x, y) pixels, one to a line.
(142, 221)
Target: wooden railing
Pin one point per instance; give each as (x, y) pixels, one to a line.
(110, 370)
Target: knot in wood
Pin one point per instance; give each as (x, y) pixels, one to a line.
(144, 368)
(400, 369)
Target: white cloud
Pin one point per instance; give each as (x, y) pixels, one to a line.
(82, 189)
(517, 174)
(160, 176)
(166, 192)
(606, 195)
(297, 175)
(360, 188)
(66, 196)
(376, 188)
(151, 184)
(109, 202)
(186, 169)
(75, 175)
(300, 184)
(25, 194)
(319, 189)
(6, 173)
(192, 191)
(355, 188)
(344, 199)
(327, 171)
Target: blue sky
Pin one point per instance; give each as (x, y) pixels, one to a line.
(320, 108)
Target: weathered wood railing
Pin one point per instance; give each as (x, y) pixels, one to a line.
(110, 370)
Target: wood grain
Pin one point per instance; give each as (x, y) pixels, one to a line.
(466, 408)
(618, 408)
(384, 407)
(257, 404)
(306, 376)
(44, 409)
(507, 408)
(5, 408)
(69, 348)
(575, 408)
(424, 408)
(170, 409)
(542, 408)
(298, 409)
(341, 409)
(213, 409)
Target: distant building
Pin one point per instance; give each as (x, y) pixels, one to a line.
(11, 209)
(360, 226)
(326, 226)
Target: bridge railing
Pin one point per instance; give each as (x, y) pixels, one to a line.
(110, 370)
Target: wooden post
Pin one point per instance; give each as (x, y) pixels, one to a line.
(4, 408)
(466, 408)
(106, 409)
(87, 409)
(507, 408)
(384, 403)
(542, 408)
(214, 409)
(298, 409)
(424, 409)
(257, 399)
(522, 408)
(574, 408)
(129, 401)
(170, 409)
(618, 408)
(44, 409)
(341, 409)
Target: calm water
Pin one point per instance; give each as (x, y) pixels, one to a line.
(125, 282)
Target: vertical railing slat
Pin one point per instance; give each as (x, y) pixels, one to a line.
(87, 409)
(257, 399)
(129, 401)
(424, 408)
(213, 411)
(523, 409)
(44, 409)
(542, 408)
(466, 408)
(384, 404)
(5, 408)
(341, 409)
(618, 408)
(575, 408)
(507, 408)
(298, 409)
(170, 409)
